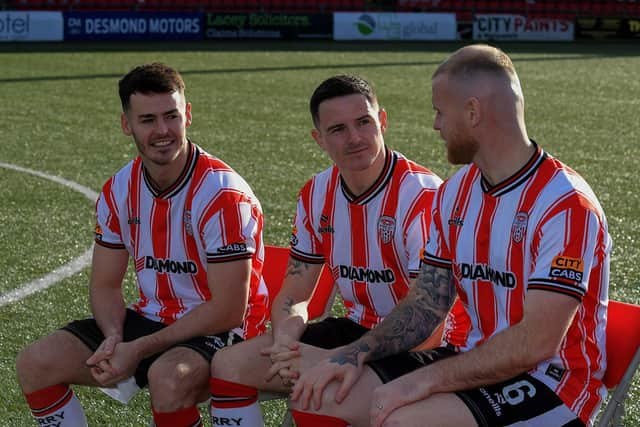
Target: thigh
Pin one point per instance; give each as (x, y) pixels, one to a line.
(56, 358)
(354, 408)
(443, 409)
(242, 363)
(520, 399)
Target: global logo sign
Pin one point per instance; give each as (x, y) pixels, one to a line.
(366, 25)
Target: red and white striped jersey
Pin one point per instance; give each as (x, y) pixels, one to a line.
(542, 228)
(372, 242)
(208, 215)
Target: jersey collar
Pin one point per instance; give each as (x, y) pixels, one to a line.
(517, 178)
(180, 182)
(390, 160)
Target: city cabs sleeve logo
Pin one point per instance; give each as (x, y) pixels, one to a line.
(564, 267)
(386, 228)
(98, 232)
(233, 248)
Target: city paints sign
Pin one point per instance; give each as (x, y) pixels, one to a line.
(133, 25)
(31, 26)
(394, 26)
(521, 28)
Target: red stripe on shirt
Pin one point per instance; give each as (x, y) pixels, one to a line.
(484, 293)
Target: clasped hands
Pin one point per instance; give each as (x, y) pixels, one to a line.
(113, 361)
(285, 362)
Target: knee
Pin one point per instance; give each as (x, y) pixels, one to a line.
(29, 363)
(174, 387)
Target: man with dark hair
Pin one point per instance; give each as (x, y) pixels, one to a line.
(193, 229)
(522, 240)
(366, 217)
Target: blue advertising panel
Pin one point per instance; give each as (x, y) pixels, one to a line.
(133, 26)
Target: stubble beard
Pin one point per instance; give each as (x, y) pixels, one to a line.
(461, 150)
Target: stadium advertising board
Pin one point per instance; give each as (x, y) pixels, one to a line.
(394, 26)
(521, 28)
(267, 26)
(30, 26)
(133, 25)
(604, 28)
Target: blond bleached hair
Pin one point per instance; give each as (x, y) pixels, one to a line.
(466, 65)
(469, 61)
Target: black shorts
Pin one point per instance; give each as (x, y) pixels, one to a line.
(519, 399)
(136, 326)
(332, 332)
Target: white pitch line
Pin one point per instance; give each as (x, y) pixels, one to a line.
(74, 266)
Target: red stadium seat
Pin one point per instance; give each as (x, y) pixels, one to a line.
(623, 357)
(276, 259)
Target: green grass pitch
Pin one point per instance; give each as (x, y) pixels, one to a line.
(60, 115)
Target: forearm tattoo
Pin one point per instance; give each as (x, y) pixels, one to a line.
(351, 355)
(296, 268)
(416, 316)
(288, 305)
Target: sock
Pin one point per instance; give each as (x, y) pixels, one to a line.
(234, 404)
(187, 417)
(56, 406)
(306, 419)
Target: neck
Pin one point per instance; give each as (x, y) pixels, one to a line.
(513, 155)
(357, 182)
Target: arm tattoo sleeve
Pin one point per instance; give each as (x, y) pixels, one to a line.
(416, 316)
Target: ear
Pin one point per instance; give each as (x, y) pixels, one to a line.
(473, 111)
(187, 115)
(124, 124)
(382, 117)
(315, 134)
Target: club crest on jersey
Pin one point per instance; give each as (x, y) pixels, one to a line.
(386, 228)
(187, 222)
(519, 226)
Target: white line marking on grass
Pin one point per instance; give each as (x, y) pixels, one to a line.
(69, 269)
